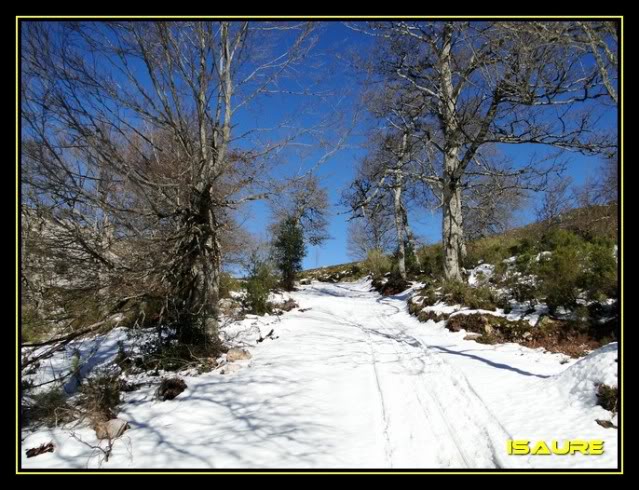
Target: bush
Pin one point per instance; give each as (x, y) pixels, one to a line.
(431, 258)
(410, 261)
(575, 267)
(394, 285)
(169, 355)
(559, 275)
(600, 276)
(525, 246)
(260, 282)
(477, 298)
(227, 284)
(608, 397)
(490, 250)
(100, 396)
(289, 251)
(48, 407)
(377, 264)
(558, 238)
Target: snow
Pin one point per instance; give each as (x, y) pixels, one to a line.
(579, 382)
(354, 381)
(92, 353)
(480, 274)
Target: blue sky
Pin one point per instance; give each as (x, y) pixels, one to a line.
(337, 172)
(327, 69)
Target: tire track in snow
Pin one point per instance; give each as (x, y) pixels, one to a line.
(435, 415)
(466, 413)
(387, 444)
(463, 432)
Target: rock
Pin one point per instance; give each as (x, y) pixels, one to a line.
(236, 354)
(472, 336)
(112, 429)
(229, 306)
(170, 388)
(545, 323)
(606, 424)
(488, 329)
(287, 305)
(230, 369)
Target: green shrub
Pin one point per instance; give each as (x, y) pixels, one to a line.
(600, 276)
(559, 275)
(227, 284)
(457, 292)
(429, 295)
(490, 250)
(411, 262)
(576, 266)
(558, 238)
(377, 264)
(525, 246)
(431, 258)
(260, 282)
(100, 396)
(48, 408)
(289, 250)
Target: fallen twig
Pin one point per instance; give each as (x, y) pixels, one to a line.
(262, 339)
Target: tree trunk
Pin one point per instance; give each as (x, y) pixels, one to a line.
(453, 233)
(399, 227)
(410, 237)
(198, 279)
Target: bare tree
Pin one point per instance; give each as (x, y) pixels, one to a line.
(601, 38)
(480, 84)
(373, 230)
(604, 188)
(557, 200)
(381, 182)
(306, 202)
(131, 129)
(489, 206)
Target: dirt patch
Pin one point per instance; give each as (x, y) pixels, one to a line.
(394, 285)
(426, 315)
(573, 345)
(553, 335)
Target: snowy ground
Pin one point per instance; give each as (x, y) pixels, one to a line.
(356, 382)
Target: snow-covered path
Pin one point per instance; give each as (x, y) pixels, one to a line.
(353, 382)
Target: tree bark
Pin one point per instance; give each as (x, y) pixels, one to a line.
(410, 236)
(197, 276)
(399, 227)
(453, 233)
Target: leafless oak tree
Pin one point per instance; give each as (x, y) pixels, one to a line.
(484, 83)
(131, 129)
